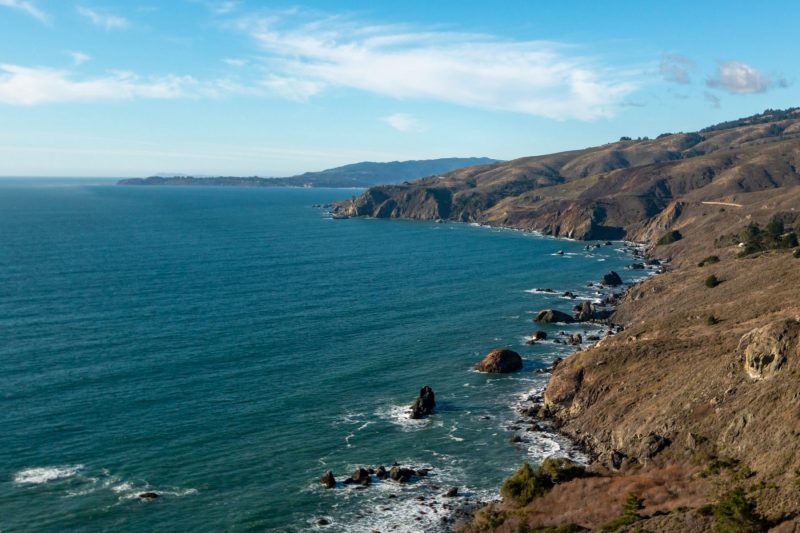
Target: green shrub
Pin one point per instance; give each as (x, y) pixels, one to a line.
(670, 237)
(630, 514)
(735, 513)
(528, 483)
(712, 320)
(712, 281)
(710, 260)
(796, 253)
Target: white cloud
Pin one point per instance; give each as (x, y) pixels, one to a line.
(104, 20)
(28, 7)
(712, 99)
(675, 68)
(402, 122)
(235, 62)
(740, 78)
(78, 58)
(480, 71)
(31, 86)
(223, 8)
(299, 90)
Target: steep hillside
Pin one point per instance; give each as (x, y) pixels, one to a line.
(610, 191)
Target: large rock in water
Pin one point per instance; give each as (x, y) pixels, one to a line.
(424, 404)
(328, 480)
(549, 316)
(584, 312)
(612, 279)
(767, 349)
(500, 361)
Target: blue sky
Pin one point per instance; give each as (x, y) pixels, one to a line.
(105, 88)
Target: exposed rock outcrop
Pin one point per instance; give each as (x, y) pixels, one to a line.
(500, 361)
(424, 404)
(551, 316)
(328, 480)
(767, 349)
(612, 279)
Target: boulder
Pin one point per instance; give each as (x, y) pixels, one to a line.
(612, 279)
(584, 312)
(424, 404)
(381, 472)
(767, 349)
(652, 445)
(401, 475)
(539, 335)
(452, 493)
(576, 340)
(550, 316)
(149, 495)
(569, 294)
(328, 480)
(500, 361)
(360, 477)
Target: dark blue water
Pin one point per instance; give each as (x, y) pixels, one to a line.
(224, 347)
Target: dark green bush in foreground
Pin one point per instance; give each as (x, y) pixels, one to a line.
(670, 237)
(712, 281)
(528, 483)
(735, 513)
(630, 513)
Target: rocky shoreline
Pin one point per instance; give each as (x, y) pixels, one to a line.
(460, 512)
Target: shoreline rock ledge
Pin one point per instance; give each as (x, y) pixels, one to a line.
(500, 361)
(424, 404)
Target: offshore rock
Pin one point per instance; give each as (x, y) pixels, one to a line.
(500, 361)
(612, 279)
(424, 404)
(550, 316)
(328, 480)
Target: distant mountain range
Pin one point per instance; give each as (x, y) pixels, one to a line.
(365, 174)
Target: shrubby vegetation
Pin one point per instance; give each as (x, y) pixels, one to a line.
(710, 260)
(630, 514)
(670, 237)
(528, 483)
(769, 115)
(775, 236)
(736, 513)
(712, 281)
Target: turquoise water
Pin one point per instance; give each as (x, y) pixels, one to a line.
(224, 347)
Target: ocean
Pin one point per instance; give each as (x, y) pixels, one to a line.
(224, 347)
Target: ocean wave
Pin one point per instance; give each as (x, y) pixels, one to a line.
(399, 415)
(44, 474)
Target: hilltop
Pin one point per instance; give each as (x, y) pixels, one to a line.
(690, 413)
(364, 174)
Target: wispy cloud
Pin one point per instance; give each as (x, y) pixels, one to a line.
(225, 7)
(234, 61)
(28, 86)
(480, 71)
(712, 99)
(676, 68)
(403, 122)
(78, 58)
(740, 78)
(104, 20)
(28, 7)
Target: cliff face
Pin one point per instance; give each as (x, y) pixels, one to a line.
(614, 191)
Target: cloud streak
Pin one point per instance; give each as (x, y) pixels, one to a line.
(676, 68)
(27, 7)
(736, 77)
(29, 86)
(403, 122)
(104, 20)
(478, 71)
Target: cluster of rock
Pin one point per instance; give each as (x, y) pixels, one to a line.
(363, 476)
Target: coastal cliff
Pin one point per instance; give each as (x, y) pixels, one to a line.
(691, 413)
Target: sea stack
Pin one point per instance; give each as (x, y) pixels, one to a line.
(424, 404)
(500, 361)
